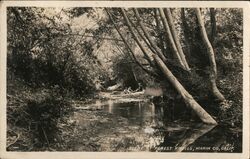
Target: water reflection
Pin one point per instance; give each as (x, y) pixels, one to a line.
(138, 113)
(110, 106)
(189, 137)
(146, 129)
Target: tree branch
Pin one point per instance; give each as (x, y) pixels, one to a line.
(92, 36)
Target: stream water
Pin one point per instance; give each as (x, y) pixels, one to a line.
(142, 126)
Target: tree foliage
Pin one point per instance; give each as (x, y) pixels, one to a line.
(43, 50)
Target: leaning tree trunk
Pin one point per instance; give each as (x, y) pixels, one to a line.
(148, 57)
(129, 48)
(188, 99)
(146, 33)
(210, 52)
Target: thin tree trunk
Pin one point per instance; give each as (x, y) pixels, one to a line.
(213, 25)
(147, 56)
(152, 43)
(189, 100)
(185, 30)
(129, 48)
(170, 37)
(168, 14)
(210, 52)
(142, 36)
(159, 31)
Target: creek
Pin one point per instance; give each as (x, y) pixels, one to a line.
(137, 124)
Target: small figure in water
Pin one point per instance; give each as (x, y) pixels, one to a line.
(128, 90)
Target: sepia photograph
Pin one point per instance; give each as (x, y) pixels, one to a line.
(124, 79)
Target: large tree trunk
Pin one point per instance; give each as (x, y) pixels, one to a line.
(188, 99)
(210, 52)
(170, 38)
(175, 37)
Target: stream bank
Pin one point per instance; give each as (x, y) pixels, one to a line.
(119, 122)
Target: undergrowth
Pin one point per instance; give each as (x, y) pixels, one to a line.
(32, 116)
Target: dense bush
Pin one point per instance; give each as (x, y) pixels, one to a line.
(46, 67)
(43, 53)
